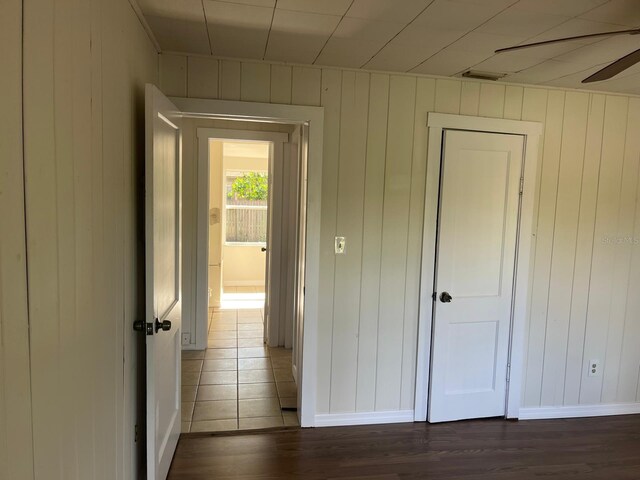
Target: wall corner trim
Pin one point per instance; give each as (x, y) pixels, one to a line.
(363, 418)
(577, 411)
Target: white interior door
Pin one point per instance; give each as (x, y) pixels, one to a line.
(267, 250)
(162, 259)
(274, 333)
(477, 231)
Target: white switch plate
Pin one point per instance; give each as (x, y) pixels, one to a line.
(341, 244)
(594, 368)
(186, 338)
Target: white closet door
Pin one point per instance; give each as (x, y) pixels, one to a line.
(477, 230)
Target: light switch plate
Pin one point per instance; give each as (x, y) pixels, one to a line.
(341, 244)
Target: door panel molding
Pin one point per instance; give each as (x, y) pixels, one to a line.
(437, 123)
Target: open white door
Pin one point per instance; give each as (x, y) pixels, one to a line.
(477, 231)
(162, 259)
(267, 250)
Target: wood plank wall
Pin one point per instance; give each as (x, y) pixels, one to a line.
(584, 289)
(85, 66)
(16, 453)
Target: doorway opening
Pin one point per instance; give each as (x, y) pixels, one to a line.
(238, 203)
(252, 198)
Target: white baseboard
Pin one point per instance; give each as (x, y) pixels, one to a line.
(362, 418)
(534, 413)
(244, 283)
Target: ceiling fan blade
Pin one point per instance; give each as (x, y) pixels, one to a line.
(634, 31)
(614, 68)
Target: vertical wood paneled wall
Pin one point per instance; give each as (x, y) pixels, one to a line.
(85, 66)
(584, 301)
(16, 454)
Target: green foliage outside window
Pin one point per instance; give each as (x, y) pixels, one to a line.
(250, 186)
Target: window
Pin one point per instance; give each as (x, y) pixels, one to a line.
(246, 207)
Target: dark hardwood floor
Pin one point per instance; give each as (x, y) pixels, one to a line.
(605, 448)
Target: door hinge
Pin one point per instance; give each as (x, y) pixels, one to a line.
(521, 185)
(135, 434)
(508, 373)
(434, 295)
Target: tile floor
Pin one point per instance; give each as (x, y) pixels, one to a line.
(237, 383)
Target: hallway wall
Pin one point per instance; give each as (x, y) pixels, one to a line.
(16, 452)
(583, 301)
(85, 66)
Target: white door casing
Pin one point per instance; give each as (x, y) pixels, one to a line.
(204, 135)
(476, 246)
(437, 124)
(162, 265)
(312, 120)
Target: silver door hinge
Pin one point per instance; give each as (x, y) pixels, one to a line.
(508, 373)
(521, 185)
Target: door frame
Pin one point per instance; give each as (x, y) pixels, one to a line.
(312, 118)
(204, 135)
(437, 123)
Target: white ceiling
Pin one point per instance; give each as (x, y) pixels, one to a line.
(442, 37)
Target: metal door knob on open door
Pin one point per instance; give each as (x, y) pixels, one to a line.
(264, 249)
(445, 297)
(165, 325)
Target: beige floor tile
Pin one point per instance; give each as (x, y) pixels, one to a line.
(221, 343)
(191, 365)
(220, 364)
(214, 425)
(223, 335)
(290, 419)
(189, 393)
(218, 323)
(254, 364)
(253, 352)
(280, 352)
(187, 411)
(260, 422)
(250, 342)
(215, 353)
(215, 410)
(190, 378)
(249, 312)
(243, 327)
(216, 327)
(286, 389)
(217, 392)
(192, 355)
(280, 374)
(254, 333)
(281, 362)
(258, 407)
(289, 402)
(185, 427)
(254, 320)
(255, 376)
(257, 390)
(219, 378)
